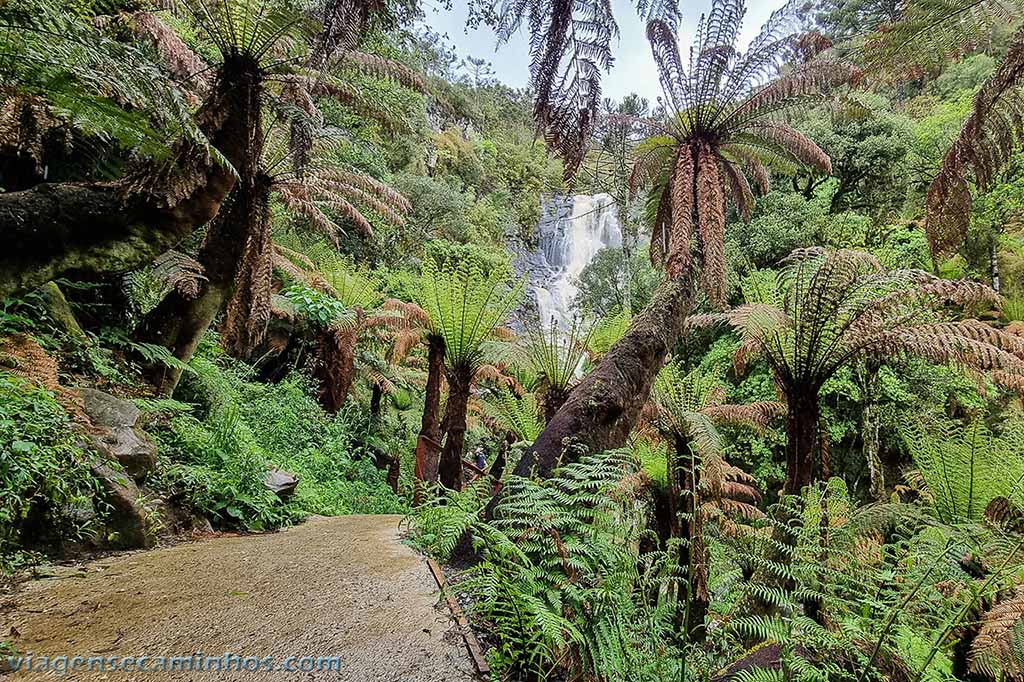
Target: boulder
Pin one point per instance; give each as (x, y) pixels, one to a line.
(281, 483)
(126, 516)
(117, 433)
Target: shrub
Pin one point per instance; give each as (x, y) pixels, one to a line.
(221, 452)
(42, 470)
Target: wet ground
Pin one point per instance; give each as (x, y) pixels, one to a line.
(340, 587)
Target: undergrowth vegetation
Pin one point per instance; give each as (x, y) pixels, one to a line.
(746, 409)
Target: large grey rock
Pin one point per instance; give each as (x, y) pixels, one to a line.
(281, 483)
(118, 434)
(127, 516)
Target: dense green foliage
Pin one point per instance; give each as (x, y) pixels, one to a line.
(826, 472)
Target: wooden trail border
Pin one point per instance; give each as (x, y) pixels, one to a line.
(467, 634)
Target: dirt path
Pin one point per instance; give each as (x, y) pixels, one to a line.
(342, 587)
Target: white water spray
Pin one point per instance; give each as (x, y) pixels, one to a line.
(569, 240)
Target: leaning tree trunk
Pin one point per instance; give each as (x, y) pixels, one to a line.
(684, 487)
(601, 411)
(802, 439)
(460, 383)
(75, 228)
(428, 444)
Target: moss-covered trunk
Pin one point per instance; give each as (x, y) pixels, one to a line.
(870, 432)
(460, 383)
(428, 441)
(602, 409)
(101, 227)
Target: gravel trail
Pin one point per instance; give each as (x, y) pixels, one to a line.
(343, 587)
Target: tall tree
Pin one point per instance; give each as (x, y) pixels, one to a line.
(465, 306)
(723, 123)
(237, 253)
(827, 309)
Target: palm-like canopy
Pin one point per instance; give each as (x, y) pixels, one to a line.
(317, 189)
(825, 309)
(724, 123)
(554, 356)
(465, 306)
(692, 405)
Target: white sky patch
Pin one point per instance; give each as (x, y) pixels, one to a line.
(633, 71)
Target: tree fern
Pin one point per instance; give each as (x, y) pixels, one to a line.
(966, 466)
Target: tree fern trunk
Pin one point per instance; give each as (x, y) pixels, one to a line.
(684, 486)
(376, 394)
(335, 368)
(870, 426)
(553, 399)
(428, 441)
(179, 323)
(460, 382)
(801, 439)
(601, 411)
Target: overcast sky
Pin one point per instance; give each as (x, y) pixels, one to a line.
(634, 67)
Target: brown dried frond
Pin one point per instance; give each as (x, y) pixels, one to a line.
(290, 269)
(570, 45)
(793, 143)
(677, 256)
(755, 415)
(493, 373)
(989, 137)
(404, 341)
(995, 651)
(812, 80)
(381, 381)
(382, 67)
(1002, 513)
(180, 60)
(25, 122)
(181, 272)
(299, 259)
(22, 356)
(410, 310)
(370, 185)
(739, 187)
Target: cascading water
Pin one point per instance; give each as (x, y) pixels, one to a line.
(572, 230)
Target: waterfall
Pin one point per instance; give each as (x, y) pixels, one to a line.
(572, 230)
